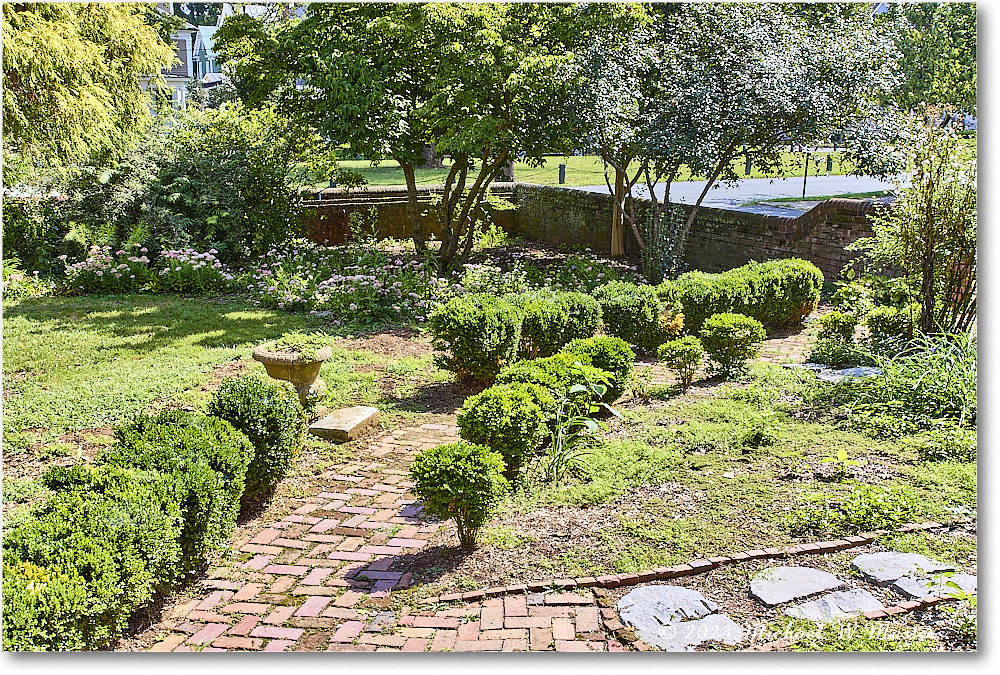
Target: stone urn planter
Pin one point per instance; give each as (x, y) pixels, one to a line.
(291, 367)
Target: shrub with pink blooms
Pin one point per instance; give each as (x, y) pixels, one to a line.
(188, 271)
(106, 270)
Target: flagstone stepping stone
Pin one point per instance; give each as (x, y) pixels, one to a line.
(841, 374)
(782, 584)
(836, 606)
(676, 619)
(920, 587)
(884, 568)
(345, 424)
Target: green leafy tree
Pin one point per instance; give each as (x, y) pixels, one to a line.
(930, 231)
(71, 82)
(709, 84)
(483, 83)
(938, 44)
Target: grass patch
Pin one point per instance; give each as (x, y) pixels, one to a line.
(87, 362)
(956, 550)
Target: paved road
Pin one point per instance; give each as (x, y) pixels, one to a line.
(759, 189)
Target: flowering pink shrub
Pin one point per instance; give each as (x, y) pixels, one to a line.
(188, 271)
(107, 271)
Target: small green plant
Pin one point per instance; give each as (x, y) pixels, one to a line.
(508, 420)
(891, 327)
(949, 443)
(304, 344)
(573, 425)
(731, 340)
(842, 462)
(864, 508)
(682, 356)
(762, 431)
(461, 481)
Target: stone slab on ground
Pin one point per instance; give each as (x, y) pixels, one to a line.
(919, 587)
(684, 636)
(841, 374)
(782, 584)
(346, 424)
(836, 606)
(675, 618)
(665, 604)
(884, 568)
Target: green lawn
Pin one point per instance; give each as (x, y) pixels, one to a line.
(587, 170)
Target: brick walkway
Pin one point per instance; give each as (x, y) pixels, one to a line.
(306, 581)
(312, 580)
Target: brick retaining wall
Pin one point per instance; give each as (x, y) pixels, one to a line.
(719, 240)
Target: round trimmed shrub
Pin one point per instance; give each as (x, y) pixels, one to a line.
(701, 295)
(480, 332)
(461, 481)
(610, 354)
(731, 340)
(632, 313)
(508, 420)
(888, 323)
(682, 356)
(837, 325)
(544, 321)
(205, 459)
(584, 313)
(786, 291)
(110, 546)
(271, 418)
(556, 374)
(43, 609)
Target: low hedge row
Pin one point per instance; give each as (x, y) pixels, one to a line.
(776, 292)
(480, 334)
(137, 523)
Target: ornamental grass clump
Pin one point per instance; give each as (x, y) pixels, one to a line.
(461, 481)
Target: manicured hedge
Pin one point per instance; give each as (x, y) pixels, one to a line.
(114, 535)
(633, 313)
(776, 292)
(272, 419)
(609, 354)
(508, 420)
(478, 334)
(556, 373)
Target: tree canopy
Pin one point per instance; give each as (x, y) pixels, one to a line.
(482, 82)
(71, 81)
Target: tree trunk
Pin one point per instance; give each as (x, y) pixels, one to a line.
(617, 229)
(413, 207)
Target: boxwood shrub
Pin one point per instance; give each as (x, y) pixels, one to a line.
(271, 418)
(43, 608)
(461, 481)
(731, 340)
(111, 549)
(682, 356)
(776, 292)
(205, 460)
(556, 373)
(631, 312)
(544, 322)
(480, 334)
(508, 420)
(610, 354)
